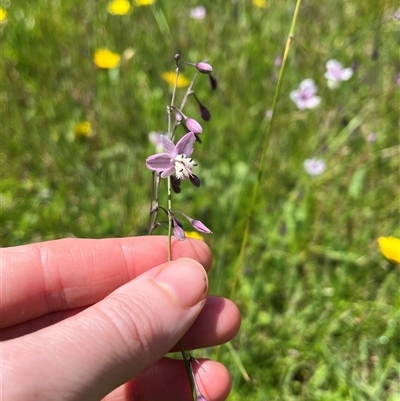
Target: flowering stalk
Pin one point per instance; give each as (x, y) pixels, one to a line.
(175, 164)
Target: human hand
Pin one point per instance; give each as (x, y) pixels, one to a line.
(92, 319)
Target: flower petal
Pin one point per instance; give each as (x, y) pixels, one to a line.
(159, 162)
(168, 172)
(308, 84)
(167, 144)
(185, 144)
(390, 248)
(294, 95)
(313, 102)
(346, 74)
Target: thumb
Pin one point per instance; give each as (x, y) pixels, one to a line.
(87, 356)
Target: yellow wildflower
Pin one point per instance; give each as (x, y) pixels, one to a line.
(193, 234)
(390, 248)
(260, 3)
(119, 7)
(83, 129)
(105, 58)
(3, 15)
(169, 77)
(143, 2)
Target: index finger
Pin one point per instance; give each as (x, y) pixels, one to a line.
(69, 273)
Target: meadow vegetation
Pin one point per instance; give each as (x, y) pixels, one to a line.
(320, 304)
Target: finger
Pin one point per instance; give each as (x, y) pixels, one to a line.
(218, 322)
(105, 345)
(167, 381)
(70, 273)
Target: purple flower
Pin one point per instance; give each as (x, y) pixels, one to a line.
(396, 15)
(198, 13)
(336, 73)
(305, 97)
(314, 166)
(278, 61)
(176, 159)
(371, 138)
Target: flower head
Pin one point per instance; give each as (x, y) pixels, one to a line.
(390, 248)
(170, 77)
(144, 2)
(119, 7)
(198, 13)
(371, 137)
(194, 234)
(336, 73)
(104, 58)
(3, 15)
(176, 159)
(83, 129)
(260, 3)
(314, 166)
(305, 96)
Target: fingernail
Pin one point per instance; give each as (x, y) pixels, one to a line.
(187, 279)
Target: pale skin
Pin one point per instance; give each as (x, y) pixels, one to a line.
(94, 319)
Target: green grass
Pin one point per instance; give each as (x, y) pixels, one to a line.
(320, 305)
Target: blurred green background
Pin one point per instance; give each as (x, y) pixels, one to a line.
(320, 305)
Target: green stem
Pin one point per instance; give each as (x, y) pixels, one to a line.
(239, 264)
(170, 135)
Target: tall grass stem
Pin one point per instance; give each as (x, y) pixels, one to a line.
(256, 188)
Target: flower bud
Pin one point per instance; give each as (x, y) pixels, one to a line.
(179, 234)
(194, 180)
(205, 113)
(193, 126)
(204, 68)
(199, 226)
(176, 184)
(213, 82)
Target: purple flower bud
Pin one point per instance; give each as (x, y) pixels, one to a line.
(194, 180)
(204, 68)
(179, 234)
(193, 126)
(213, 82)
(176, 184)
(199, 226)
(178, 116)
(205, 113)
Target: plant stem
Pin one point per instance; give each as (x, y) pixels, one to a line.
(239, 264)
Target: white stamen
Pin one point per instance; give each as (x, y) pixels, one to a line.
(183, 166)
